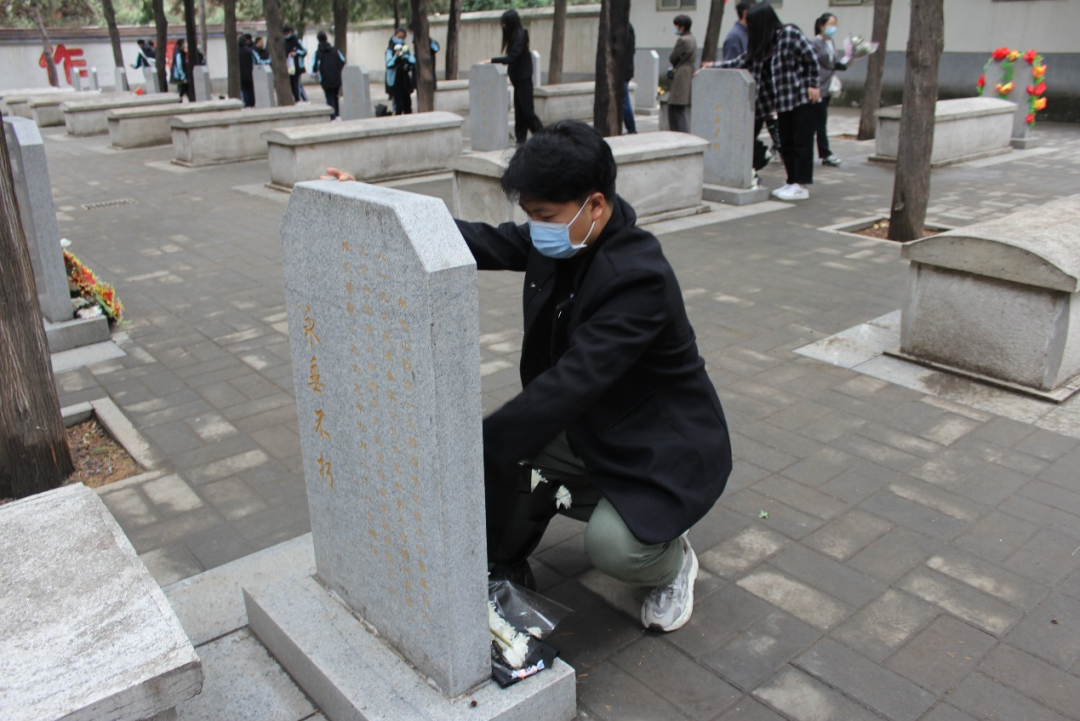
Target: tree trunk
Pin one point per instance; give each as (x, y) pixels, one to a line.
(425, 61)
(34, 454)
(452, 28)
(114, 32)
(341, 26)
(875, 70)
(275, 43)
(397, 14)
(558, 42)
(611, 50)
(911, 189)
(712, 31)
(161, 22)
(192, 48)
(47, 49)
(232, 49)
(203, 45)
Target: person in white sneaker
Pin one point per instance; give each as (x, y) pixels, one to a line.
(618, 424)
(785, 68)
(828, 64)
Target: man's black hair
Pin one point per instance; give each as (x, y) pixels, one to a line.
(683, 21)
(321, 37)
(743, 7)
(568, 160)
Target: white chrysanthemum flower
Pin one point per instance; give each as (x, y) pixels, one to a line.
(513, 645)
(537, 479)
(535, 631)
(562, 498)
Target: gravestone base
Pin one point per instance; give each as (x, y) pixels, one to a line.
(1026, 143)
(76, 333)
(352, 674)
(734, 196)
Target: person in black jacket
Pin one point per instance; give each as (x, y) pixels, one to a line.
(296, 53)
(327, 68)
(618, 423)
(247, 70)
(628, 75)
(518, 59)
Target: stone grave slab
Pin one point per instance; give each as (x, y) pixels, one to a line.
(94, 84)
(489, 107)
(384, 325)
(85, 632)
(232, 136)
(264, 86)
(723, 114)
(964, 129)
(356, 93)
(203, 89)
(150, 75)
(90, 117)
(537, 76)
(76, 81)
(120, 81)
(647, 75)
(1023, 135)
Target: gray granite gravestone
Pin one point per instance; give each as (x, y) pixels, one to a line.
(150, 73)
(1023, 135)
(489, 107)
(647, 75)
(120, 80)
(34, 192)
(723, 114)
(356, 93)
(381, 294)
(76, 80)
(94, 85)
(203, 90)
(264, 86)
(537, 74)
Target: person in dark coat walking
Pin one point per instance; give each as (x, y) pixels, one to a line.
(247, 61)
(519, 68)
(178, 72)
(400, 68)
(327, 67)
(682, 64)
(296, 53)
(618, 423)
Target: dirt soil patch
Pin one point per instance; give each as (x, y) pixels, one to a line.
(880, 229)
(98, 458)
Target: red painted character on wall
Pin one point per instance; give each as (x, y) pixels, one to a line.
(69, 58)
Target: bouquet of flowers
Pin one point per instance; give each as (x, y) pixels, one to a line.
(519, 621)
(856, 46)
(88, 291)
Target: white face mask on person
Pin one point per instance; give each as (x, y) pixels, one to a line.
(553, 239)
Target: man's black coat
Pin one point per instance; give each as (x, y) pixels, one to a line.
(619, 372)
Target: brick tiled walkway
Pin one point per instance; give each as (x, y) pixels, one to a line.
(920, 558)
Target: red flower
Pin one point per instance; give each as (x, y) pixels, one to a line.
(1030, 119)
(1000, 54)
(981, 82)
(1030, 56)
(1031, 90)
(1040, 88)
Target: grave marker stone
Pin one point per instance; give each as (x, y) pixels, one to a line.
(647, 74)
(150, 73)
(356, 93)
(723, 114)
(120, 80)
(94, 79)
(203, 89)
(489, 107)
(34, 192)
(1023, 135)
(381, 293)
(76, 80)
(537, 74)
(264, 86)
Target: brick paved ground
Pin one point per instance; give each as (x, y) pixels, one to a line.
(921, 559)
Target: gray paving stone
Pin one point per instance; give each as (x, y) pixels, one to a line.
(996, 536)
(263, 529)
(742, 551)
(782, 517)
(612, 694)
(945, 712)
(1046, 516)
(1033, 678)
(685, 685)
(913, 515)
(170, 563)
(717, 619)
(803, 698)
(1047, 557)
(847, 535)
(881, 627)
(1046, 445)
(878, 688)
(961, 600)
(1058, 643)
(797, 598)
(750, 710)
(822, 466)
(942, 654)
(799, 496)
(825, 574)
(859, 482)
(759, 651)
(988, 578)
(171, 495)
(233, 498)
(218, 546)
(984, 699)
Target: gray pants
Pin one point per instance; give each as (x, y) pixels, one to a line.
(678, 118)
(610, 545)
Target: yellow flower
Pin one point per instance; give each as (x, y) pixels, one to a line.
(1006, 88)
(1040, 103)
(1038, 71)
(1013, 55)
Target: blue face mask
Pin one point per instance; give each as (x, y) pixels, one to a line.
(553, 239)
(830, 31)
(677, 31)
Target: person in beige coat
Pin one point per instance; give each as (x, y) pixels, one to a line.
(682, 63)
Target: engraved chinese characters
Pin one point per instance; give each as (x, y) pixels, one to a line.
(383, 322)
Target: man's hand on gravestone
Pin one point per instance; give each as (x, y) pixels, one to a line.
(335, 174)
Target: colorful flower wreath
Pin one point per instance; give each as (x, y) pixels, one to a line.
(1008, 58)
(87, 285)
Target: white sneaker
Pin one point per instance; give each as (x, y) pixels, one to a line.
(781, 191)
(668, 608)
(792, 192)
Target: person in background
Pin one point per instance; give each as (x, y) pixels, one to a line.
(400, 66)
(248, 61)
(150, 49)
(262, 55)
(327, 68)
(142, 60)
(735, 42)
(434, 51)
(296, 52)
(519, 68)
(828, 64)
(628, 75)
(682, 70)
(178, 74)
(784, 65)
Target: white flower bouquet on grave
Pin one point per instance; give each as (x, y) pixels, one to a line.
(519, 621)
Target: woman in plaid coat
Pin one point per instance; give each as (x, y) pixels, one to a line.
(785, 67)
